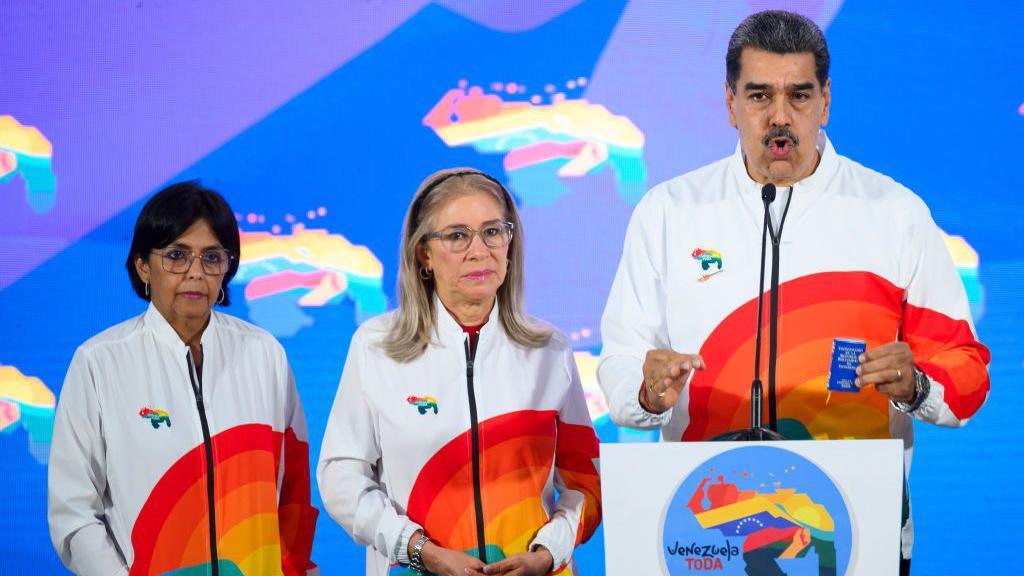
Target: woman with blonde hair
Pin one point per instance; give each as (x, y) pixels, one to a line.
(459, 417)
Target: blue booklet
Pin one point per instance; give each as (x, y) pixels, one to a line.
(842, 372)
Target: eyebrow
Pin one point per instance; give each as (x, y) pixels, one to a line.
(187, 247)
(759, 86)
(482, 224)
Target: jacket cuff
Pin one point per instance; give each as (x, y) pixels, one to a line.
(401, 552)
(931, 409)
(558, 540)
(640, 416)
(621, 379)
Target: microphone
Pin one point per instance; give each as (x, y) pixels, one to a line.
(768, 192)
(756, 431)
(773, 310)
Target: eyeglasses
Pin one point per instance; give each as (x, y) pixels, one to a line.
(459, 238)
(179, 260)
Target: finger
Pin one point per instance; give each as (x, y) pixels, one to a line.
(884, 350)
(657, 368)
(884, 389)
(877, 365)
(676, 383)
(896, 391)
(888, 376)
(658, 356)
(687, 366)
(689, 362)
(500, 567)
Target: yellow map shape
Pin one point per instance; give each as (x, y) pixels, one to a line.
(964, 256)
(23, 139)
(578, 119)
(587, 363)
(318, 248)
(17, 389)
(785, 503)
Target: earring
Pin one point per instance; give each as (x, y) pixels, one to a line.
(220, 299)
(147, 289)
(425, 274)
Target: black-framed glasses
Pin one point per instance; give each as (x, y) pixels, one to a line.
(458, 238)
(178, 260)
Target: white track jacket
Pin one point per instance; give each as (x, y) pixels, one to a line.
(149, 457)
(468, 446)
(860, 258)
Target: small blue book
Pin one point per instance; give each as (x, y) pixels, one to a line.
(842, 372)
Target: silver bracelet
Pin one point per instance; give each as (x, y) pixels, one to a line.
(922, 386)
(416, 558)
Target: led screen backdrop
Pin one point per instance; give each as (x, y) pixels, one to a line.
(318, 120)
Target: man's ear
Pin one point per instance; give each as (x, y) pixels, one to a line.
(730, 104)
(826, 100)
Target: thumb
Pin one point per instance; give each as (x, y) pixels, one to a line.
(499, 567)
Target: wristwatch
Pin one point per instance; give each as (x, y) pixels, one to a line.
(922, 386)
(416, 558)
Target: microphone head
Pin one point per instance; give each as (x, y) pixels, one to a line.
(768, 192)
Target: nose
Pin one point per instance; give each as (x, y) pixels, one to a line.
(780, 112)
(195, 268)
(477, 248)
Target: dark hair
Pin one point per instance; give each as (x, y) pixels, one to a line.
(169, 213)
(779, 32)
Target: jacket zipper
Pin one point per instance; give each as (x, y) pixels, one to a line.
(475, 435)
(208, 448)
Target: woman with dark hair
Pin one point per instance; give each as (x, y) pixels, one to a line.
(180, 442)
(459, 417)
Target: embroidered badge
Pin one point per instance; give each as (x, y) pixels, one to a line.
(155, 417)
(710, 262)
(423, 404)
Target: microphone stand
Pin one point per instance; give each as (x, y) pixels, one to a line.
(757, 432)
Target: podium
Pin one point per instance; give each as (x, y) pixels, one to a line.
(753, 508)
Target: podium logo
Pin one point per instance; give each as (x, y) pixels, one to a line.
(757, 510)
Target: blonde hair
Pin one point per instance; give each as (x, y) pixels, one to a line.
(416, 317)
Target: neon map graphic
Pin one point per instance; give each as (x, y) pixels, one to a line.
(578, 107)
(27, 154)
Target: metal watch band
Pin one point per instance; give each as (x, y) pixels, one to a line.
(922, 386)
(416, 558)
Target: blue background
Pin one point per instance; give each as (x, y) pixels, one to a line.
(288, 110)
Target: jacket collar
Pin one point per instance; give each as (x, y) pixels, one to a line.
(805, 192)
(165, 333)
(449, 331)
(817, 181)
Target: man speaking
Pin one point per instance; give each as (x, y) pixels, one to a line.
(861, 267)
